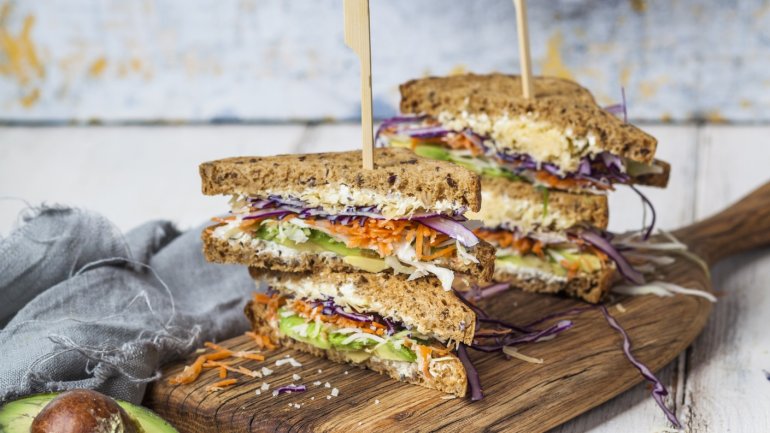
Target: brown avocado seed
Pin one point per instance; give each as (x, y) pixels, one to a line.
(83, 411)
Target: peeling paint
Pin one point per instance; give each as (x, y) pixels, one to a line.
(649, 88)
(553, 64)
(30, 99)
(20, 59)
(98, 67)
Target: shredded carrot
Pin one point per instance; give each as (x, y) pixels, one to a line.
(424, 353)
(222, 372)
(418, 243)
(379, 235)
(252, 356)
(441, 253)
(248, 223)
(221, 384)
(261, 298)
(223, 220)
(263, 341)
(214, 346)
(191, 372)
(571, 267)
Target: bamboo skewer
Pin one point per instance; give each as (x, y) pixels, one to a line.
(524, 56)
(358, 38)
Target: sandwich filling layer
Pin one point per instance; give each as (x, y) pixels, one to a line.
(361, 237)
(359, 335)
(515, 148)
(549, 257)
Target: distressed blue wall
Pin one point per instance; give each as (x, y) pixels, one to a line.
(253, 60)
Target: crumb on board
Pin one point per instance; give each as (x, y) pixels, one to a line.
(620, 307)
(266, 371)
(327, 385)
(335, 392)
(296, 376)
(317, 383)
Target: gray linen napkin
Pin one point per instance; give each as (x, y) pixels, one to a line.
(86, 307)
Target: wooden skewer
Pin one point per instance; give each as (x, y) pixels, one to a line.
(358, 38)
(524, 57)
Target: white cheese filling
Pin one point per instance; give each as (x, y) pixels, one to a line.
(503, 210)
(526, 134)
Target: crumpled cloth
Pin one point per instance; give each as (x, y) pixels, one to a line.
(84, 306)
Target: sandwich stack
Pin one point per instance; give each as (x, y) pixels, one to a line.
(359, 263)
(547, 165)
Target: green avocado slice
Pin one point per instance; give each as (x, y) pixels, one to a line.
(17, 416)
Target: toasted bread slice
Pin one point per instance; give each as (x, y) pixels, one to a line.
(561, 103)
(591, 287)
(419, 304)
(519, 204)
(399, 176)
(449, 377)
(270, 256)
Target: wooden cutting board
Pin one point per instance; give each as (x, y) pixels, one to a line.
(583, 367)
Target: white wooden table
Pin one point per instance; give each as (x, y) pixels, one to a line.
(133, 174)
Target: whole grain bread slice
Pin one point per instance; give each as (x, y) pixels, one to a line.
(256, 253)
(419, 304)
(520, 204)
(561, 102)
(591, 287)
(450, 378)
(396, 171)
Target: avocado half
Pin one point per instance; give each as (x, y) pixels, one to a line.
(17, 416)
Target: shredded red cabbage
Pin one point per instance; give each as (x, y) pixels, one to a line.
(658, 390)
(477, 293)
(288, 389)
(473, 376)
(620, 108)
(606, 247)
(648, 203)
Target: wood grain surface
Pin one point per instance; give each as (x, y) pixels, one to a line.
(582, 368)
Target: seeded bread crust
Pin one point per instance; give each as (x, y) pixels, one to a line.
(588, 209)
(588, 287)
(452, 379)
(396, 170)
(428, 307)
(561, 102)
(227, 252)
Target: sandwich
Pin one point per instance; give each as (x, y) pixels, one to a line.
(546, 165)
(561, 140)
(324, 213)
(408, 330)
(548, 241)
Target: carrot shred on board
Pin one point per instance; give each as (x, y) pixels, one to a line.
(252, 356)
(214, 346)
(222, 373)
(191, 372)
(221, 384)
(263, 341)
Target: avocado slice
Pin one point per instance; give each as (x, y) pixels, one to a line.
(286, 325)
(17, 416)
(389, 351)
(432, 152)
(326, 242)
